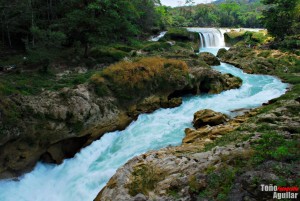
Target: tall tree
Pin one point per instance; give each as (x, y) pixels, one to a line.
(281, 17)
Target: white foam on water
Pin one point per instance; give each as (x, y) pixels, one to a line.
(156, 38)
(83, 176)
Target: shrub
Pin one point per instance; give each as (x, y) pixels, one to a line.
(276, 147)
(107, 55)
(124, 48)
(144, 179)
(219, 184)
(264, 54)
(157, 46)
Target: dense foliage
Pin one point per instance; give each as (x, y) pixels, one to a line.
(229, 13)
(282, 18)
(42, 27)
(46, 31)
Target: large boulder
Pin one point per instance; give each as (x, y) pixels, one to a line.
(232, 82)
(221, 52)
(209, 58)
(208, 117)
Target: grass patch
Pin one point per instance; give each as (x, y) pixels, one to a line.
(219, 184)
(34, 83)
(273, 146)
(157, 46)
(145, 179)
(232, 137)
(108, 54)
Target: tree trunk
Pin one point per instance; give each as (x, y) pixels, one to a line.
(51, 9)
(32, 22)
(48, 10)
(86, 50)
(2, 27)
(8, 36)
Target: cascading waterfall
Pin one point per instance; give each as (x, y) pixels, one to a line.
(210, 37)
(156, 38)
(83, 176)
(214, 37)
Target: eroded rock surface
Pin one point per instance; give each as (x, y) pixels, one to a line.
(208, 117)
(184, 171)
(57, 124)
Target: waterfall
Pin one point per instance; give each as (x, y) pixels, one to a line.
(156, 38)
(210, 37)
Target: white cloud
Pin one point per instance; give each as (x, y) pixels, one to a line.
(174, 3)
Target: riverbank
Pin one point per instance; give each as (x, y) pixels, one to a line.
(55, 124)
(264, 149)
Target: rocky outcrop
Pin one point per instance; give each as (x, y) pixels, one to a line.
(209, 58)
(260, 61)
(208, 117)
(57, 124)
(211, 125)
(189, 172)
(212, 82)
(184, 171)
(221, 52)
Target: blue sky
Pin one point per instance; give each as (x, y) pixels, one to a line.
(177, 2)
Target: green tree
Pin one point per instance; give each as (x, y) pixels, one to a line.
(282, 17)
(229, 14)
(206, 15)
(166, 19)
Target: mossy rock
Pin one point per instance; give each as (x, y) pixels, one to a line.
(132, 81)
(157, 46)
(107, 55)
(221, 52)
(209, 58)
(234, 37)
(245, 38)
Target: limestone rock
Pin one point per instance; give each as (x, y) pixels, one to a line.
(232, 82)
(57, 124)
(208, 117)
(191, 135)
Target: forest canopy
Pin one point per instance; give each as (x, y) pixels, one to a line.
(40, 29)
(53, 23)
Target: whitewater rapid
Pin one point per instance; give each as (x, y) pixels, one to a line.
(83, 176)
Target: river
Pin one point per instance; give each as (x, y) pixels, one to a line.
(82, 177)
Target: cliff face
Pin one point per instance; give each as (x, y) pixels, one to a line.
(57, 124)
